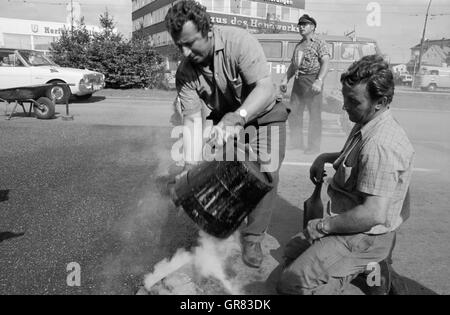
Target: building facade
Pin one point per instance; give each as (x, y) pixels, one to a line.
(30, 34)
(280, 15)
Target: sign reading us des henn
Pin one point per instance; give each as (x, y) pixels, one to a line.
(252, 23)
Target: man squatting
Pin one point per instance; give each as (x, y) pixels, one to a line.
(367, 192)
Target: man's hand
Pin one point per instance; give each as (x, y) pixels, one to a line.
(317, 171)
(311, 231)
(317, 86)
(228, 128)
(187, 167)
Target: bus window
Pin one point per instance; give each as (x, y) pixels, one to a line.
(368, 49)
(290, 49)
(331, 49)
(272, 49)
(350, 52)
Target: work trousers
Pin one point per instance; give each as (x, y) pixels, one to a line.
(302, 96)
(269, 142)
(330, 263)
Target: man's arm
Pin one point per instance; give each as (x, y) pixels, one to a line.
(191, 109)
(324, 65)
(360, 219)
(259, 99)
(193, 138)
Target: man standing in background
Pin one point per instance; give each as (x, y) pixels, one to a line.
(309, 66)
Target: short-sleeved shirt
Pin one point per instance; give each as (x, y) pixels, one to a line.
(239, 62)
(308, 53)
(377, 159)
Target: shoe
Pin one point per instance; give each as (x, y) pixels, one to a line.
(252, 254)
(310, 151)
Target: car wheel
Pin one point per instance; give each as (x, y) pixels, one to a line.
(432, 88)
(45, 109)
(84, 97)
(59, 93)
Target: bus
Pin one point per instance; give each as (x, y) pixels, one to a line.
(344, 50)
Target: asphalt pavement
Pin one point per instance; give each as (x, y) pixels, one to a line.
(91, 192)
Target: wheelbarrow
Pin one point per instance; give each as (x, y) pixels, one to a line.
(44, 108)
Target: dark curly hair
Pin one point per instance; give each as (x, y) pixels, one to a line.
(374, 71)
(184, 11)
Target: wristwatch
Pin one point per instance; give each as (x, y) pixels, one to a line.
(321, 227)
(244, 115)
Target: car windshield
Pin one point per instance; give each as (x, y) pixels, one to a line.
(35, 58)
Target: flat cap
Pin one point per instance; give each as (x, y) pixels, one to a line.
(307, 19)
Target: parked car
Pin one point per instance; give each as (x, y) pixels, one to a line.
(406, 79)
(28, 67)
(344, 51)
(433, 78)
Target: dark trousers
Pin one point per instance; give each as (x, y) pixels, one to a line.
(269, 142)
(302, 96)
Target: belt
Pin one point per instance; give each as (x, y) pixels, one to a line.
(299, 73)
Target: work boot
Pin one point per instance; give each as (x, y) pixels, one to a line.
(252, 254)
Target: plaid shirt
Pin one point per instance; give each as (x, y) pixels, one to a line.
(376, 160)
(307, 55)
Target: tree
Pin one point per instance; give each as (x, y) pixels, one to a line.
(125, 63)
(70, 50)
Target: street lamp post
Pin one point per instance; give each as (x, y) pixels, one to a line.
(423, 35)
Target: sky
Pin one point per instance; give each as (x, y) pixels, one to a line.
(400, 25)
(400, 21)
(56, 11)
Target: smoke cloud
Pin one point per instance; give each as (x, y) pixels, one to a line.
(208, 259)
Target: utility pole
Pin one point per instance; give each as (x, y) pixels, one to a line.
(71, 16)
(423, 36)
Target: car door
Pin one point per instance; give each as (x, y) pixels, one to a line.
(13, 71)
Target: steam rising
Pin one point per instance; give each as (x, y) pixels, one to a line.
(208, 260)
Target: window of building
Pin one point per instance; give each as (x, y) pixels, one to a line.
(208, 4)
(261, 10)
(246, 8)
(272, 12)
(235, 6)
(285, 14)
(295, 15)
(43, 42)
(219, 6)
(17, 41)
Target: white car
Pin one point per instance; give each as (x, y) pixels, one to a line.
(28, 67)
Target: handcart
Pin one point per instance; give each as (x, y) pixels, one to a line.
(36, 96)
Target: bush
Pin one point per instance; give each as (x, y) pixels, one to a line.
(125, 63)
